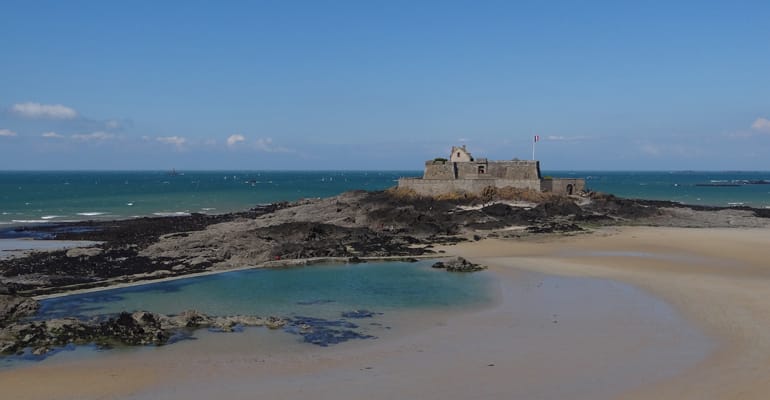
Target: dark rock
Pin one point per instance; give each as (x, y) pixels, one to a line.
(322, 332)
(139, 328)
(554, 227)
(459, 264)
(15, 307)
(357, 314)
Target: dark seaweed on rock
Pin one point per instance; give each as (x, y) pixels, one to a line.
(323, 332)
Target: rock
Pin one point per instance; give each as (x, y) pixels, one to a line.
(192, 319)
(358, 314)
(138, 328)
(4, 289)
(275, 323)
(15, 307)
(459, 264)
(554, 227)
(78, 252)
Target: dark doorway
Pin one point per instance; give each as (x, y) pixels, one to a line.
(569, 190)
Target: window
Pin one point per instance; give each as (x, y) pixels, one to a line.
(482, 170)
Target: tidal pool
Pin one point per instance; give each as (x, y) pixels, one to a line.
(322, 291)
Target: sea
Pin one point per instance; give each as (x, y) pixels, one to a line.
(39, 197)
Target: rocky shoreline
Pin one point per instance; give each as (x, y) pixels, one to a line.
(353, 226)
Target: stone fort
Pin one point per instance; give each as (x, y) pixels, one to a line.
(462, 173)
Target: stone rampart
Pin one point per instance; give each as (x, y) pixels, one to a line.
(439, 170)
(563, 185)
(434, 187)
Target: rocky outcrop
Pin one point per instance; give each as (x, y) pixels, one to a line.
(458, 264)
(14, 307)
(139, 328)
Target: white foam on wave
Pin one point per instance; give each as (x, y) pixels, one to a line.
(208, 209)
(30, 221)
(52, 216)
(92, 214)
(172, 214)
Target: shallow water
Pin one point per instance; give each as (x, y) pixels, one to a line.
(323, 291)
(547, 337)
(341, 302)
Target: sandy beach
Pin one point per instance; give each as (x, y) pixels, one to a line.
(637, 313)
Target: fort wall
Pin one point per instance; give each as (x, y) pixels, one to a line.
(563, 185)
(433, 187)
(463, 173)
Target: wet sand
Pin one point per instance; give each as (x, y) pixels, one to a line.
(574, 318)
(717, 278)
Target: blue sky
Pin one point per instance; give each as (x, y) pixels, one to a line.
(383, 84)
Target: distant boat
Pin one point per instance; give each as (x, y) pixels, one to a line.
(173, 172)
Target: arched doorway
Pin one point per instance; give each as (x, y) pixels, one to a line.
(570, 188)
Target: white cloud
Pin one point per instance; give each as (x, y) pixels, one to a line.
(93, 136)
(51, 135)
(43, 111)
(266, 145)
(235, 139)
(177, 141)
(7, 132)
(761, 124)
(112, 124)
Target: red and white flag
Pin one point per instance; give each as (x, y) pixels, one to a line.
(537, 138)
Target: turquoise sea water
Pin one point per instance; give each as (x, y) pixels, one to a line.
(40, 197)
(681, 186)
(322, 291)
(319, 295)
(43, 197)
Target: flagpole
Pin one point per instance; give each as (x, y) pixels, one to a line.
(533, 148)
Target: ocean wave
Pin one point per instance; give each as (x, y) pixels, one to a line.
(30, 221)
(91, 214)
(172, 214)
(52, 216)
(208, 209)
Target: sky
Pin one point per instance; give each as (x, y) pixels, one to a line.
(371, 85)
